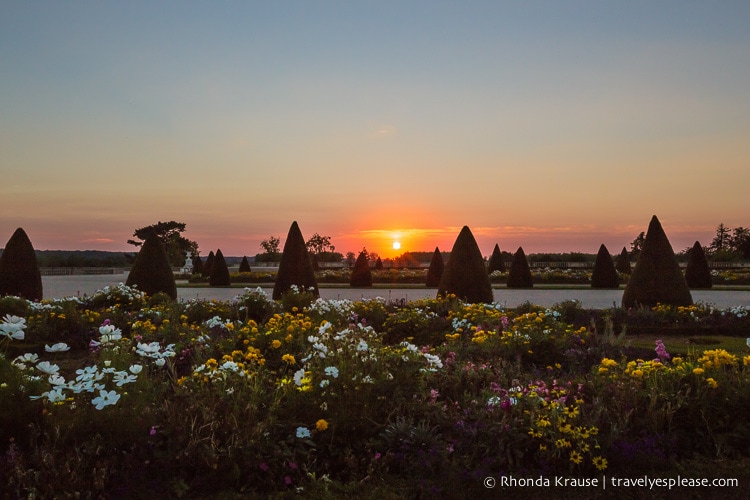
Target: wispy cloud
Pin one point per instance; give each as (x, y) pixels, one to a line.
(98, 240)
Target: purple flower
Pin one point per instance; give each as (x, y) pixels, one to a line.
(661, 351)
(263, 466)
(287, 480)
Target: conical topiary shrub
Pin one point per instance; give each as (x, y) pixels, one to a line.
(361, 274)
(151, 272)
(697, 273)
(244, 265)
(295, 267)
(219, 271)
(519, 275)
(197, 265)
(496, 261)
(19, 269)
(435, 272)
(605, 274)
(657, 278)
(465, 274)
(623, 262)
(208, 265)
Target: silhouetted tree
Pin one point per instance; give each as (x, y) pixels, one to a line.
(219, 271)
(623, 262)
(175, 245)
(465, 274)
(496, 261)
(19, 270)
(435, 271)
(657, 277)
(295, 267)
(244, 265)
(605, 274)
(151, 272)
(378, 264)
(361, 274)
(697, 272)
(636, 245)
(519, 275)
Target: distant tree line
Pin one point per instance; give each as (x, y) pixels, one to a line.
(81, 258)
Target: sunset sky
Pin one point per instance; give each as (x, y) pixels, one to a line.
(552, 125)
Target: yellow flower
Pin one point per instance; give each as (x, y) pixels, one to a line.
(576, 457)
(712, 383)
(698, 371)
(321, 425)
(600, 463)
(276, 344)
(288, 358)
(637, 373)
(562, 443)
(608, 363)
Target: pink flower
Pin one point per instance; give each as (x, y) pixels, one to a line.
(263, 466)
(287, 480)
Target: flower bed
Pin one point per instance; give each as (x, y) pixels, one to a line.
(121, 395)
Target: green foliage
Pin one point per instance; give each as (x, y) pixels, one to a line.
(697, 272)
(361, 275)
(254, 305)
(436, 269)
(604, 274)
(219, 271)
(496, 262)
(657, 278)
(151, 272)
(465, 275)
(295, 267)
(520, 273)
(623, 262)
(19, 270)
(15, 306)
(335, 398)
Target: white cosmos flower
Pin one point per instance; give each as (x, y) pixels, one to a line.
(48, 368)
(362, 346)
(21, 361)
(332, 371)
(105, 398)
(56, 395)
(160, 362)
(12, 327)
(59, 347)
(135, 369)
(303, 432)
(56, 380)
(148, 349)
(109, 334)
(298, 376)
(122, 378)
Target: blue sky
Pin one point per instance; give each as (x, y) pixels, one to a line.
(556, 126)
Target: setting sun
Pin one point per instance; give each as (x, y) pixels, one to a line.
(396, 245)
